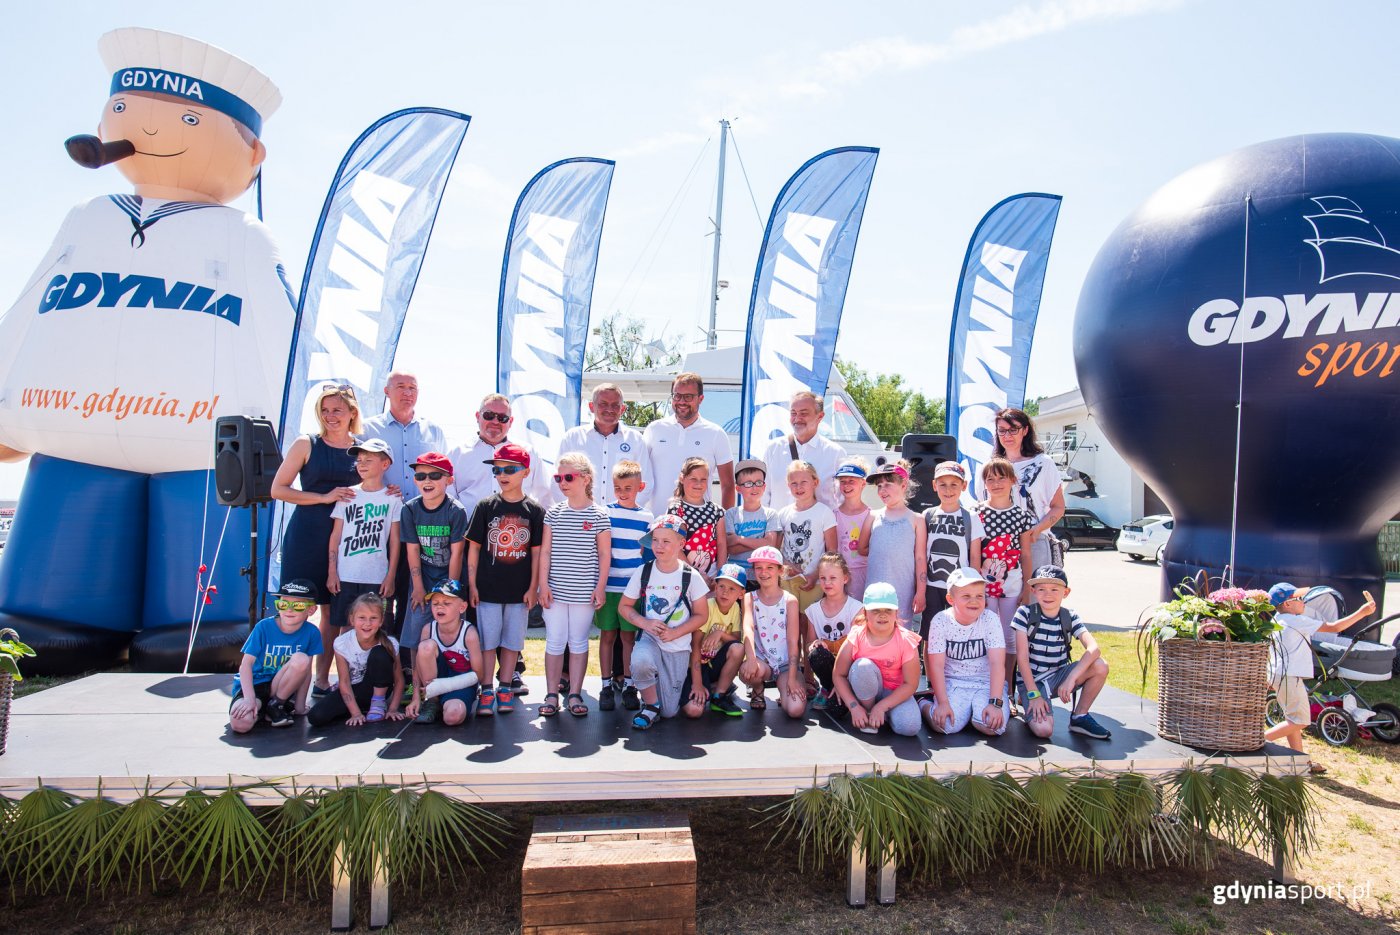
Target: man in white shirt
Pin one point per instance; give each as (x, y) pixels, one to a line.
(805, 413)
(686, 434)
(472, 481)
(606, 441)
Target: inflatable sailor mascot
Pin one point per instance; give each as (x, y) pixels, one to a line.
(152, 314)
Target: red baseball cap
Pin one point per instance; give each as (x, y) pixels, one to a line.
(510, 453)
(432, 459)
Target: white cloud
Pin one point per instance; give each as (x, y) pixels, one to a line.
(841, 68)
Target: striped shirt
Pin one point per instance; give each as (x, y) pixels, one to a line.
(629, 524)
(1049, 648)
(573, 550)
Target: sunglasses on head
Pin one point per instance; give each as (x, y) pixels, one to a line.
(565, 478)
(501, 417)
(345, 388)
(428, 475)
(283, 603)
(507, 469)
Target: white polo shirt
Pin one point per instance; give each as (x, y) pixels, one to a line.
(670, 443)
(624, 444)
(823, 454)
(472, 480)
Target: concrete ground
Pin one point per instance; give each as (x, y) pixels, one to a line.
(1109, 590)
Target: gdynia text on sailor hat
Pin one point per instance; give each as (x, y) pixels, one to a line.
(164, 63)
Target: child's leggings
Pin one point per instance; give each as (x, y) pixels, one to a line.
(869, 688)
(821, 663)
(379, 673)
(566, 626)
(1005, 609)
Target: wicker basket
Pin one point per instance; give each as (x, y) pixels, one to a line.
(1212, 695)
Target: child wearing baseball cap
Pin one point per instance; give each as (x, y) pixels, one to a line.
(1043, 630)
(433, 527)
(878, 669)
(1292, 659)
(720, 643)
(275, 673)
(773, 634)
(966, 661)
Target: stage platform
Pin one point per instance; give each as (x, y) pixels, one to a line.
(128, 730)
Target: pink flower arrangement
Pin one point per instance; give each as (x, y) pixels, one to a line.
(1237, 595)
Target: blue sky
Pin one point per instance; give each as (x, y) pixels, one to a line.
(1101, 101)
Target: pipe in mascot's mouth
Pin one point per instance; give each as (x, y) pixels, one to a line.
(91, 153)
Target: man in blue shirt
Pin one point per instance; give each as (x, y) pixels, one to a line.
(407, 437)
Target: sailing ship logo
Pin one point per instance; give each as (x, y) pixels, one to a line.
(1348, 244)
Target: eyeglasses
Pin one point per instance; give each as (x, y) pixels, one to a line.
(506, 469)
(565, 478)
(428, 475)
(1011, 431)
(685, 397)
(501, 417)
(298, 606)
(751, 484)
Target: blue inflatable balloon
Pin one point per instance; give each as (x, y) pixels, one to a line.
(1268, 278)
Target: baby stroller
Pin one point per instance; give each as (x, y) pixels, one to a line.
(1338, 718)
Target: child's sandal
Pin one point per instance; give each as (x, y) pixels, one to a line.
(549, 708)
(757, 702)
(577, 708)
(646, 717)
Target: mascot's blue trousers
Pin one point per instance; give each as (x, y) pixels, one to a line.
(100, 561)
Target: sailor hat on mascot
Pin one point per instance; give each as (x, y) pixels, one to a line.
(152, 314)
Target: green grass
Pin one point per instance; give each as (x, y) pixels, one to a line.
(1119, 650)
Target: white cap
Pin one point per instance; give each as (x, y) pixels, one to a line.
(962, 577)
(143, 59)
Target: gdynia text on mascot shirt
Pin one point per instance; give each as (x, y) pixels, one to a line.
(1299, 316)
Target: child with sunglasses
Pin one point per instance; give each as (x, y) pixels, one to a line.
(433, 527)
(275, 673)
(503, 571)
(575, 558)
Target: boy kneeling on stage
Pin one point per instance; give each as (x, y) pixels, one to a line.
(275, 674)
(1043, 631)
(448, 664)
(664, 600)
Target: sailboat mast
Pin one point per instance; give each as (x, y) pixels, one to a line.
(712, 335)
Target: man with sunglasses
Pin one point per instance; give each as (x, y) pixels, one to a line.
(687, 434)
(474, 481)
(606, 441)
(407, 436)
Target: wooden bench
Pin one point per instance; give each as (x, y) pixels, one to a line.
(609, 874)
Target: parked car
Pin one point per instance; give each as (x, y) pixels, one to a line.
(1146, 537)
(1084, 529)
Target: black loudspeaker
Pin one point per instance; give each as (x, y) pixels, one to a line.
(924, 452)
(246, 458)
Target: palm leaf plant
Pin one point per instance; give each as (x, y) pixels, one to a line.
(219, 837)
(24, 840)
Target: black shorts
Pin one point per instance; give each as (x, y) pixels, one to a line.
(710, 672)
(340, 603)
(262, 691)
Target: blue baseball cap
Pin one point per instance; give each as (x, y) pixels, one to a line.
(851, 469)
(734, 573)
(879, 594)
(1281, 592)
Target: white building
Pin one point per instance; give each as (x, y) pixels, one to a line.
(1073, 439)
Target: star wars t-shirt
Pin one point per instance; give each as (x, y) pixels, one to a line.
(506, 533)
(950, 536)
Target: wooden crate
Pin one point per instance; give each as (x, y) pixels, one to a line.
(609, 874)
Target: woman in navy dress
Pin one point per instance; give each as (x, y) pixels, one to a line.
(326, 473)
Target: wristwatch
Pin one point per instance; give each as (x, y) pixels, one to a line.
(994, 702)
